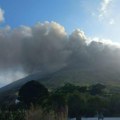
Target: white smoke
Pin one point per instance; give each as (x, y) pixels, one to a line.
(42, 47)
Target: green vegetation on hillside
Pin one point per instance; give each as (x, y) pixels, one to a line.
(38, 103)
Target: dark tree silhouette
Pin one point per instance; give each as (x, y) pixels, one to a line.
(76, 106)
(31, 92)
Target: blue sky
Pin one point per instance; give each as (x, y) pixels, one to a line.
(97, 18)
(27, 12)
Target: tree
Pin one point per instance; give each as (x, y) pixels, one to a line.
(57, 102)
(76, 106)
(31, 92)
(69, 88)
(114, 105)
(96, 105)
(97, 89)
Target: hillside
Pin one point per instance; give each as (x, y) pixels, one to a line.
(80, 74)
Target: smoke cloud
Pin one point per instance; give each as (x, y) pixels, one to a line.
(1, 15)
(46, 47)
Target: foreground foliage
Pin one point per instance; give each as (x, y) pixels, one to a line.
(59, 104)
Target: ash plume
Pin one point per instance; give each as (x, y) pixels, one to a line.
(47, 47)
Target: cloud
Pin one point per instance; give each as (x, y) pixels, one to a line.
(105, 12)
(112, 21)
(44, 47)
(1, 15)
(104, 8)
(106, 42)
(31, 49)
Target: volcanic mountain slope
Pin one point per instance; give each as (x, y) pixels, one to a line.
(78, 73)
(91, 64)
